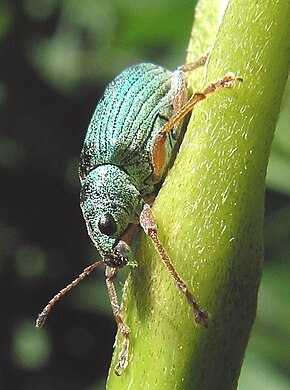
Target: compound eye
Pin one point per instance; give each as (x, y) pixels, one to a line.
(107, 224)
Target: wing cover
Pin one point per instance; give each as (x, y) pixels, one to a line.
(126, 121)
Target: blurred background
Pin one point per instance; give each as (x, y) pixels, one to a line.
(57, 56)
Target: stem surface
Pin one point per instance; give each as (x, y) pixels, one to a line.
(210, 215)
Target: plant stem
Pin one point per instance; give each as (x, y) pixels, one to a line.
(210, 216)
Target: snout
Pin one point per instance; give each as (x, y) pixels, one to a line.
(120, 256)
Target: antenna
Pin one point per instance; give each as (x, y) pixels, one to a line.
(43, 315)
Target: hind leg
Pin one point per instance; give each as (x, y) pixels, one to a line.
(179, 89)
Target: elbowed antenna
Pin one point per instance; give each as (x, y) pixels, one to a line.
(43, 315)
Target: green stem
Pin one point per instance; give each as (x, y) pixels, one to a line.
(210, 217)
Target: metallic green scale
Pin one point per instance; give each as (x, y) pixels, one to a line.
(116, 168)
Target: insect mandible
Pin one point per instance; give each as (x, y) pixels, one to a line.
(127, 150)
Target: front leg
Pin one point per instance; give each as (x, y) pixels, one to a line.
(148, 223)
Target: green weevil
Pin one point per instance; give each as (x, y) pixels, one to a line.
(127, 150)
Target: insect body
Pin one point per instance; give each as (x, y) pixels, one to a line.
(116, 168)
(126, 153)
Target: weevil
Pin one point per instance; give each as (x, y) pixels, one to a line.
(127, 151)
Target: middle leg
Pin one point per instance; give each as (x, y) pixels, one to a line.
(159, 148)
(111, 273)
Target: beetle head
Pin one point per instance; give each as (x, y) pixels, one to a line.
(110, 202)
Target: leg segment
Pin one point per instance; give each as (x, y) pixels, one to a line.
(111, 273)
(148, 223)
(178, 91)
(43, 315)
(159, 149)
(179, 88)
(194, 65)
